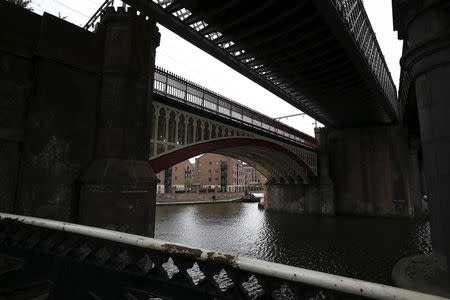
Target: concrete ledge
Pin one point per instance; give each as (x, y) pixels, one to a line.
(200, 202)
(424, 273)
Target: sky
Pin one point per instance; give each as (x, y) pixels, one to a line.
(184, 59)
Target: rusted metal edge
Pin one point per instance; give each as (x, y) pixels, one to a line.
(256, 266)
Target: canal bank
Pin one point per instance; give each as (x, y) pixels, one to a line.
(204, 201)
(197, 198)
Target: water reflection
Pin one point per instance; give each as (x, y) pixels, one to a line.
(365, 248)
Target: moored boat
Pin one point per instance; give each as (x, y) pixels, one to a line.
(249, 197)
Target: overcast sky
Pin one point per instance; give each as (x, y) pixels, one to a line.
(178, 56)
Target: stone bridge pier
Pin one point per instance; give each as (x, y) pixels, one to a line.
(118, 188)
(369, 167)
(362, 171)
(75, 114)
(312, 197)
(424, 28)
(308, 199)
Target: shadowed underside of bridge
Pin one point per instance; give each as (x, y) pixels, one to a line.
(274, 161)
(320, 56)
(178, 135)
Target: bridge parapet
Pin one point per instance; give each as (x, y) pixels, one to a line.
(107, 264)
(182, 90)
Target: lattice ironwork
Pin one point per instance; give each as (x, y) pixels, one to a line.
(358, 24)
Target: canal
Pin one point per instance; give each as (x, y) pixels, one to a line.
(358, 247)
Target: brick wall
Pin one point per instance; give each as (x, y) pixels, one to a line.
(49, 84)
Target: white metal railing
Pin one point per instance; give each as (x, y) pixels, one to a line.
(239, 263)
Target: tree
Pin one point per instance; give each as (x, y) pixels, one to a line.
(22, 3)
(187, 183)
(61, 16)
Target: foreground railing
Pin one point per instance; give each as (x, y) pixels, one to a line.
(68, 261)
(169, 84)
(358, 24)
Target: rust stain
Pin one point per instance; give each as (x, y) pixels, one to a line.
(222, 258)
(182, 250)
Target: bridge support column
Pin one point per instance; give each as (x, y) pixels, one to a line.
(326, 186)
(118, 190)
(424, 26)
(369, 167)
(305, 199)
(416, 178)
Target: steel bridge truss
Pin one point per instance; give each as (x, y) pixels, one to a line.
(320, 56)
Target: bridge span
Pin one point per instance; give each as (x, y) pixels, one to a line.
(189, 120)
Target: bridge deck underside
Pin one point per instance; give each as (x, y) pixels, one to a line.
(300, 50)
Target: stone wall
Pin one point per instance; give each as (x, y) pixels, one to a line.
(16, 86)
(48, 89)
(308, 199)
(369, 167)
(75, 118)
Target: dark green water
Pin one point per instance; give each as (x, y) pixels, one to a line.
(363, 248)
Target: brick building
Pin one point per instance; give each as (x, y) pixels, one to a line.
(218, 172)
(176, 178)
(211, 172)
(253, 180)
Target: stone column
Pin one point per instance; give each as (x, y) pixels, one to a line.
(326, 187)
(155, 130)
(118, 190)
(166, 132)
(415, 177)
(425, 29)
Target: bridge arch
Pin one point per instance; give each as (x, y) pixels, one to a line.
(179, 135)
(276, 162)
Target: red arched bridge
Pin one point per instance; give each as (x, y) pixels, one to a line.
(189, 120)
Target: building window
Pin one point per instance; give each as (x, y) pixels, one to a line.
(210, 163)
(176, 168)
(175, 177)
(209, 179)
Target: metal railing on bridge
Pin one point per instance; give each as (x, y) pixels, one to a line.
(182, 90)
(357, 22)
(71, 261)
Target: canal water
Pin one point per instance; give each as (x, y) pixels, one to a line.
(358, 247)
